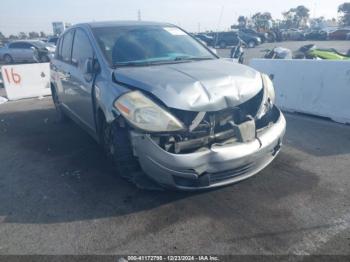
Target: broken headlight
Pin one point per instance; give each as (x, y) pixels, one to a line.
(143, 113)
(268, 98)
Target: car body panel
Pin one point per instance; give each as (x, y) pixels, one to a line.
(207, 85)
(339, 34)
(25, 50)
(249, 158)
(193, 86)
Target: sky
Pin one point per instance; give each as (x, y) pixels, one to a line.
(192, 15)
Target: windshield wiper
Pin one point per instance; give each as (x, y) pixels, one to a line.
(189, 58)
(178, 59)
(132, 64)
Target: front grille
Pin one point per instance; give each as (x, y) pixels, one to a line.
(225, 175)
(208, 179)
(215, 127)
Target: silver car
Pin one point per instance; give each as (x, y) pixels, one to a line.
(166, 109)
(26, 51)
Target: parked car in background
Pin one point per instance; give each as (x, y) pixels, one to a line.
(316, 35)
(250, 39)
(263, 36)
(293, 35)
(164, 107)
(339, 34)
(348, 36)
(225, 39)
(52, 40)
(208, 40)
(26, 51)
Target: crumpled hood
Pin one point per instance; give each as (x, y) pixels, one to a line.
(209, 85)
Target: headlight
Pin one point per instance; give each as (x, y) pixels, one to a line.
(269, 96)
(144, 114)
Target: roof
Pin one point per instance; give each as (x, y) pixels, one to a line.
(123, 23)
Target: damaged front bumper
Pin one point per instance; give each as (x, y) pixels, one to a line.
(219, 165)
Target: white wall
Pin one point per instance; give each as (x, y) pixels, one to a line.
(26, 80)
(318, 87)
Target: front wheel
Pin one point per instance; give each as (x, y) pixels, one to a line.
(44, 59)
(8, 59)
(117, 146)
(251, 44)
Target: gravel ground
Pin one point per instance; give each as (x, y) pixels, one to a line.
(59, 195)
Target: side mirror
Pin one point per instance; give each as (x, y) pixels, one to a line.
(88, 66)
(91, 67)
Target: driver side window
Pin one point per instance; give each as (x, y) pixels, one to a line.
(82, 49)
(17, 45)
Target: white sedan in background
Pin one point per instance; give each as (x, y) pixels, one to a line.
(26, 51)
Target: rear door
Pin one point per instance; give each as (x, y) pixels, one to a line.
(15, 51)
(81, 83)
(27, 52)
(62, 68)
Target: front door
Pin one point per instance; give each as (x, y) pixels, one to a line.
(82, 84)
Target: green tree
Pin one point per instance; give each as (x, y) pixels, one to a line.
(13, 37)
(318, 22)
(33, 35)
(242, 21)
(344, 10)
(2, 37)
(22, 35)
(262, 20)
(296, 17)
(42, 34)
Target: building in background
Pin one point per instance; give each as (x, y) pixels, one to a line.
(59, 27)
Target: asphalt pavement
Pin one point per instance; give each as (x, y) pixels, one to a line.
(59, 195)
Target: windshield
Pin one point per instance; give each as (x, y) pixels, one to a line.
(145, 45)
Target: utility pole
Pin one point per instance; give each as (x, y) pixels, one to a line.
(139, 15)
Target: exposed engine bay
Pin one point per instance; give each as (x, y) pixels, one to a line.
(238, 124)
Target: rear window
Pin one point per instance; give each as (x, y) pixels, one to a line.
(82, 49)
(17, 45)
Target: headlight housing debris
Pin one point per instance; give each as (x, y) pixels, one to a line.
(269, 96)
(141, 112)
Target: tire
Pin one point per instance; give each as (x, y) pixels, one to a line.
(8, 59)
(44, 59)
(251, 44)
(117, 146)
(222, 44)
(60, 115)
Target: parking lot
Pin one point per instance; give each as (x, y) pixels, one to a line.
(60, 195)
(258, 52)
